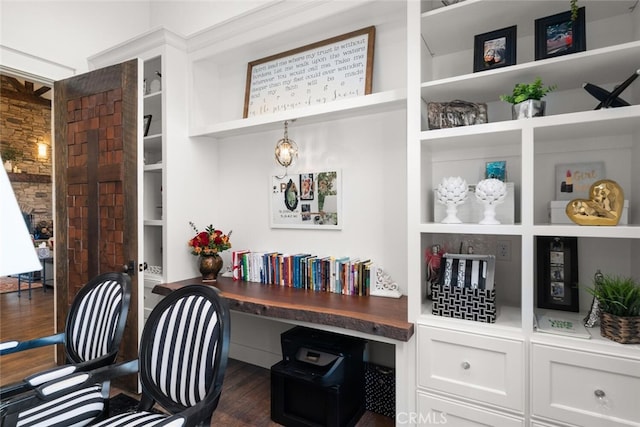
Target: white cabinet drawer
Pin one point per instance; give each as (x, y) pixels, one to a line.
(585, 389)
(434, 410)
(480, 368)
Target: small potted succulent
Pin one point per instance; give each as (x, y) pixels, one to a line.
(619, 303)
(527, 99)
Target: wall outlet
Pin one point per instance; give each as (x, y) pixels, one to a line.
(503, 250)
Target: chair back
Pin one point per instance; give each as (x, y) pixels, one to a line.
(97, 318)
(184, 349)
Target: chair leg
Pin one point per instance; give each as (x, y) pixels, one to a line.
(43, 276)
(19, 282)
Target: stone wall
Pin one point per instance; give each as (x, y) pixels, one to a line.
(23, 125)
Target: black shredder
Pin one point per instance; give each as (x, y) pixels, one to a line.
(320, 381)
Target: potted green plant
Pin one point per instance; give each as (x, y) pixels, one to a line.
(9, 155)
(527, 99)
(619, 301)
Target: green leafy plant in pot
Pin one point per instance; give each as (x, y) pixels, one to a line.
(619, 301)
(527, 99)
(9, 156)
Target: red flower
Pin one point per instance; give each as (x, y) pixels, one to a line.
(209, 242)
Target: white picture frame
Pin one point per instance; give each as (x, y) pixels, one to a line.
(306, 200)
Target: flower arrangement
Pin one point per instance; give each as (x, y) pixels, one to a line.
(209, 242)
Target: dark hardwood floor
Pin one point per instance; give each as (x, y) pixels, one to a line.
(245, 400)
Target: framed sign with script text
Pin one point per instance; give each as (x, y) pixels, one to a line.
(330, 70)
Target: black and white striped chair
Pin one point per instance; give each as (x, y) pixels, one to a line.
(182, 362)
(93, 332)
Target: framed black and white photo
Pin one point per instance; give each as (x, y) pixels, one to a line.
(557, 273)
(558, 35)
(147, 123)
(495, 49)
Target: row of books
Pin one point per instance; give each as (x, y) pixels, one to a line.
(341, 275)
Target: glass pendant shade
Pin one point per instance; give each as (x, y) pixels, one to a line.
(286, 149)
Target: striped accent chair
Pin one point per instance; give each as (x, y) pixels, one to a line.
(182, 362)
(93, 332)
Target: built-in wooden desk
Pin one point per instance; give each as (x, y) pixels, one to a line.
(385, 317)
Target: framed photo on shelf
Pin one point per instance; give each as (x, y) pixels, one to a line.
(495, 49)
(574, 180)
(558, 35)
(496, 170)
(557, 273)
(147, 123)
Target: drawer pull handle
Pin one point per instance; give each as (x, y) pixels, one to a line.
(599, 394)
(467, 365)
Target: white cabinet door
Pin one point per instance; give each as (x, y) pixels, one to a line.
(434, 410)
(585, 389)
(480, 368)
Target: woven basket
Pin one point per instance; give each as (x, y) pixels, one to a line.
(625, 330)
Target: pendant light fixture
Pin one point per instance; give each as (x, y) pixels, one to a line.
(286, 150)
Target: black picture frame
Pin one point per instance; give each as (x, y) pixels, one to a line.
(498, 45)
(557, 273)
(147, 123)
(558, 35)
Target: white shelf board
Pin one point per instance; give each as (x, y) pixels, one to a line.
(588, 124)
(473, 132)
(603, 122)
(439, 228)
(596, 343)
(373, 103)
(508, 320)
(153, 222)
(602, 231)
(157, 167)
(153, 95)
(473, 17)
(598, 66)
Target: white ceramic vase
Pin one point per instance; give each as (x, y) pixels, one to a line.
(490, 192)
(451, 192)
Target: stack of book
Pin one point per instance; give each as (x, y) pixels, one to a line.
(341, 275)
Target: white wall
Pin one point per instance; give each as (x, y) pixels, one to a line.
(369, 151)
(189, 17)
(68, 32)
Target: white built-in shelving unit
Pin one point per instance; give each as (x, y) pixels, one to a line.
(506, 373)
